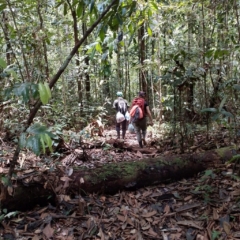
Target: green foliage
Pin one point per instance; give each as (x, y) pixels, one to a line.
(37, 138)
(24, 90)
(44, 92)
(218, 112)
(5, 214)
(234, 159)
(3, 64)
(215, 235)
(5, 180)
(206, 189)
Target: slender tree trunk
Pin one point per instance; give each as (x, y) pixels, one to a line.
(86, 74)
(76, 40)
(236, 7)
(119, 74)
(6, 36)
(203, 63)
(142, 73)
(9, 51)
(19, 38)
(126, 70)
(43, 41)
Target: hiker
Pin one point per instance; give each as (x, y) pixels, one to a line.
(121, 106)
(139, 112)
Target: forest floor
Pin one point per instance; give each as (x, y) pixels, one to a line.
(204, 207)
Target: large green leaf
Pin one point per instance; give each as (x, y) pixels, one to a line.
(3, 6)
(149, 30)
(216, 116)
(213, 110)
(65, 9)
(23, 90)
(222, 103)
(3, 64)
(37, 129)
(38, 140)
(91, 5)
(236, 86)
(227, 114)
(22, 140)
(6, 181)
(46, 141)
(12, 72)
(44, 92)
(220, 53)
(33, 143)
(80, 8)
(98, 47)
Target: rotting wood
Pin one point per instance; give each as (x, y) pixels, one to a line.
(114, 177)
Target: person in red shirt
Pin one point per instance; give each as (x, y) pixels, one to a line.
(140, 125)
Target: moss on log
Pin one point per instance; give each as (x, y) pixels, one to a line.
(113, 177)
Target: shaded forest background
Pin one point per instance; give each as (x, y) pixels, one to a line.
(184, 54)
(61, 64)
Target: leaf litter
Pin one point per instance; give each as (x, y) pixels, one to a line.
(204, 207)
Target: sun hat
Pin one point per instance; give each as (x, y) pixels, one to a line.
(119, 94)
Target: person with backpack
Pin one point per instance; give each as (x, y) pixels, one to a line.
(139, 112)
(121, 106)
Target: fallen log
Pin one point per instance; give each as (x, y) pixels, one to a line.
(114, 177)
(111, 178)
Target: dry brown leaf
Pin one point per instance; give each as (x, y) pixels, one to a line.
(152, 233)
(187, 198)
(139, 236)
(227, 227)
(190, 224)
(129, 221)
(10, 190)
(236, 234)
(124, 225)
(146, 194)
(36, 237)
(121, 218)
(64, 179)
(200, 237)
(48, 231)
(42, 210)
(175, 236)
(146, 227)
(188, 215)
(188, 206)
(235, 193)
(215, 214)
(149, 214)
(166, 209)
(101, 234)
(38, 231)
(139, 154)
(133, 231)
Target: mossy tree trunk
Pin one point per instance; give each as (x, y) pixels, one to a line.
(114, 177)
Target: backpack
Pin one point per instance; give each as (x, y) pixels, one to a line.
(137, 109)
(122, 106)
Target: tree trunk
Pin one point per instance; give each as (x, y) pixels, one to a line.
(142, 56)
(112, 178)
